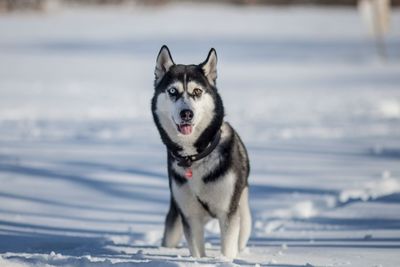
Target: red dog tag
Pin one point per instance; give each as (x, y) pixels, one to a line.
(188, 173)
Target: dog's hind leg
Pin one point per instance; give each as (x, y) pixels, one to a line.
(245, 219)
(173, 227)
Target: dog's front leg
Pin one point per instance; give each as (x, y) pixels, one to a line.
(230, 226)
(194, 234)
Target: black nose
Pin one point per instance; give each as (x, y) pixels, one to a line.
(186, 115)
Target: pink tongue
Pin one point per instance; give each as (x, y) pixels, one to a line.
(185, 129)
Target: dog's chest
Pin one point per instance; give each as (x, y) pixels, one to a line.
(216, 194)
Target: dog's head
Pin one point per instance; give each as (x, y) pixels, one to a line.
(186, 105)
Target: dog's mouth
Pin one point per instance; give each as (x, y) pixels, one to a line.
(185, 128)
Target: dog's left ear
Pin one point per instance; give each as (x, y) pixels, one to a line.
(209, 66)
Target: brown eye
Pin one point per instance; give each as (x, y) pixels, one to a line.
(197, 92)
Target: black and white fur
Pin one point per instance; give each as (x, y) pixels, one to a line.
(219, 186)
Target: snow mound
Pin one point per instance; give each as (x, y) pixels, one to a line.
(8, 263)
(390, 109)
(372, 190)
(303, 209)
(54, 259)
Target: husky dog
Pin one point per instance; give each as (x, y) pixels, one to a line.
(208, 166)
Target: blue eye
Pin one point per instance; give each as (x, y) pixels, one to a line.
(172, 91)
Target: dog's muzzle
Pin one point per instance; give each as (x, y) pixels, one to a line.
(185, 127)
(186, 115)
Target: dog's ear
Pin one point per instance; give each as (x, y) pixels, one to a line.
(163, 63)
(209, 66)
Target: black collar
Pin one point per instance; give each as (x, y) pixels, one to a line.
(187, 161)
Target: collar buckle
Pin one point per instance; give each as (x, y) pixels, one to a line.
(187, 161)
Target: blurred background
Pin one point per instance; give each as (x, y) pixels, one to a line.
(42, 4)
(93, 60)
(312, 87)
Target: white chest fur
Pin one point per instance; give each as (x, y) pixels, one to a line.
(217, 194)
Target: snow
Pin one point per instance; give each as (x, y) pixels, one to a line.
(82, 169)
(372, 190)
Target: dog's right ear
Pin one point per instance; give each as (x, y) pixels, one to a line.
(163, 63)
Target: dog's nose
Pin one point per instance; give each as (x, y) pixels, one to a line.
(186, 115)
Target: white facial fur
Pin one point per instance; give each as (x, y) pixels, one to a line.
(168, 111)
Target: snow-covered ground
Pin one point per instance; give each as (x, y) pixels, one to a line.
(82, 170)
